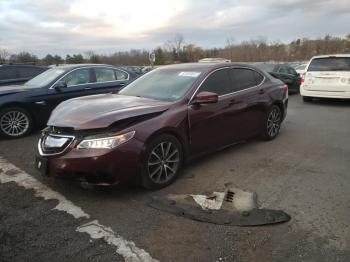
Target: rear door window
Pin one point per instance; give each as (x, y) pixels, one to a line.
(244, 78)
(330, 64)
(121, 75)
(218, 82)
(104, 74)
(291, 71)
(283, 70)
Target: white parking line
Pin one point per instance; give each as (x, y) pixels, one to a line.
(128, 249)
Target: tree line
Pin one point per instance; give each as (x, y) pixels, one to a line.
(177, 50)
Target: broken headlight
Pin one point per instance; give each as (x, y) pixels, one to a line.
(106, 142)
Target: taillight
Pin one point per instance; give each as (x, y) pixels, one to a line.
(285, 87)
(302, 79)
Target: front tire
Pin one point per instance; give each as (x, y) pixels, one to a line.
(272, 123)
(15, 122)
(162, 163)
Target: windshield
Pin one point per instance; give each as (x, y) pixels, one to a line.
(45, 78)
(162, 84)
(300, 67)
(330, 64)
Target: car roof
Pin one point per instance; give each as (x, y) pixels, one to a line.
(72, 66)
(327, 56)
(205, 67)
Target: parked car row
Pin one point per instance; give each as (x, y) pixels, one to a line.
(142, 129)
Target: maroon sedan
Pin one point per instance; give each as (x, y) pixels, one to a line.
(146, 132)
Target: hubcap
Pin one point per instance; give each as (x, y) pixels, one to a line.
(163, 162)
(274, 122)
(14, 123)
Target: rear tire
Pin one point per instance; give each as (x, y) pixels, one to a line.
(162, 163)
(307, 98)
(272, 123)
(15, 122)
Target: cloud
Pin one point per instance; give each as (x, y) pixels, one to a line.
(62, 26)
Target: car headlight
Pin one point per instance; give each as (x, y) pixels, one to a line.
(106, 142)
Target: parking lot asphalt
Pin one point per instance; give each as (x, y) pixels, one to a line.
(305, 172)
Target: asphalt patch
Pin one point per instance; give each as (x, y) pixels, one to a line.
(31, 230)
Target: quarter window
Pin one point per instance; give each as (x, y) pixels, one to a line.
(283, 70)
(244, 78)
(121, 75)
(77, 77)
(104, 74)
(218, 82)
(258, 78)
(291, 71)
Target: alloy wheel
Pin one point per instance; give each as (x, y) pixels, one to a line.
(274, 122)
(163, 162)
(14, 123)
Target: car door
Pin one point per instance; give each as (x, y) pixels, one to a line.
(78, 83)
(247, 103)
(108, 79)
(208, 122)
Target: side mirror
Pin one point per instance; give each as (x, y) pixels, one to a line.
(205, 98)
(60, 85)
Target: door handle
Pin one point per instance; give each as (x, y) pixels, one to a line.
(261, 91)
(88, 88)
(42, 103)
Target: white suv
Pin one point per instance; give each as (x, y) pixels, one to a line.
(326, 76)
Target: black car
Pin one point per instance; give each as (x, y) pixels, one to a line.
(23, 107)
(19, 74)
(135, 69)
(283, 72)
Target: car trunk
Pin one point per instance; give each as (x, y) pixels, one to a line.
(328, 81)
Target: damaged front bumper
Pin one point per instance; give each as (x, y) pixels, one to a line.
(234, 207)
(64, 159)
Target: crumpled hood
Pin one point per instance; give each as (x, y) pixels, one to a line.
(100, 111)
(6, 90)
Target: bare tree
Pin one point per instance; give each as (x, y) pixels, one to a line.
(4, 55)
(175, 45)
(230, 46)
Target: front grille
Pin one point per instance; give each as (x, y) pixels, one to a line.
(53, 144)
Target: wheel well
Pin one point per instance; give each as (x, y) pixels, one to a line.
(181, 139)
(20, 105)
(280, 105)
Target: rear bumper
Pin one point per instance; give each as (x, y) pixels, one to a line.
(324, 94)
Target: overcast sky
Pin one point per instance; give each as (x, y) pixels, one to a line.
(106, 26)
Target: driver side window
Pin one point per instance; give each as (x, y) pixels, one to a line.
(218, 82)
(77, 77)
